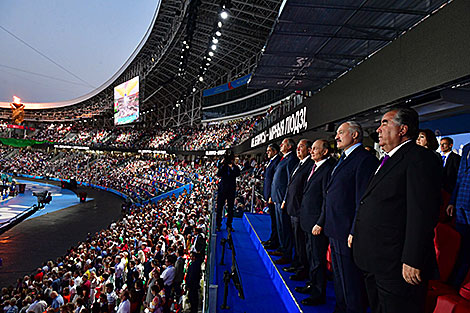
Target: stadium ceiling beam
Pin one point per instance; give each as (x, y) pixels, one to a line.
(313, 55)
(329, 35)
(356, 26)
(359, 8)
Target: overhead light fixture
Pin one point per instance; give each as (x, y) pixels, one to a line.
(211, 53)
(207, 64)
(218, 33)
(215, 40)
(213, 47)
(194, 89)
(201, 78)
(224, 15)
(209, 59)
(219, 24)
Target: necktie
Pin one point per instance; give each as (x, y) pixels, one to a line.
(384, 159)
(443, 160)
(311, 173)
(296, 168)
(341, 159)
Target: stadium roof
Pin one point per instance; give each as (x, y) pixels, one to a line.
(174, 64)
(314, 42)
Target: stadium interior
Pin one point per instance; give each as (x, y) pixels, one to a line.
(211, 79)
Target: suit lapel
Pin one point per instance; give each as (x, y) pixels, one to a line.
(387, 167)
(345, 161)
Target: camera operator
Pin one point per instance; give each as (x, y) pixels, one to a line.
(228, 173)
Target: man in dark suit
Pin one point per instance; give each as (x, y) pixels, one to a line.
(273, 155)
(346, 186)
(284, 169)
(451, 163)
(291, 203)
(312, 221)
(459, 205)
(228, 173)
(193, 282)
(394, 229)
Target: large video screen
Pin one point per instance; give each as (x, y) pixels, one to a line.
(126, 102)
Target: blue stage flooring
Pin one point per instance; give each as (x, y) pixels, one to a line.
(262, 229)
(260, 292)
(61, 199)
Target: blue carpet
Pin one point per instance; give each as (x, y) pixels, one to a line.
(61, 199)
(259, 226)
(259, 289)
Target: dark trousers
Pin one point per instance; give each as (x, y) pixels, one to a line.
(317, 247)
(462, 264)
(221, 198)
(274, 238)
(193, 297)
(348, 279)
(300, 256)
(284, 230)
(394, 294)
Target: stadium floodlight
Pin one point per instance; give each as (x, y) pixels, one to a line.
(218, 33)
(224, 15)
(213, 47)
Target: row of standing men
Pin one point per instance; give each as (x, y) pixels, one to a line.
(377, 216)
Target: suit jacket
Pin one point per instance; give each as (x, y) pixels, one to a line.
(344, 190)
(228, 178)
(397, 214)
(311, 212)
(461, 194)
(449, 174)
(268, 177)
(284, 169)
(193, 277)
(295, 187)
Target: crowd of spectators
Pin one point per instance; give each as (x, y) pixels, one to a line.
(138, 176)
(145, 262)
(211, 136)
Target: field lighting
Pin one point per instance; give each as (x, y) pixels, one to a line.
(224, 15)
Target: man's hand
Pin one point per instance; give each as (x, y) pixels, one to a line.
(350, 239)
(450, 210)
(283, 205)
(411, 275)
(270, 200)
(316, 230)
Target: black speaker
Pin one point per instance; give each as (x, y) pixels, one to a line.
(82, 196)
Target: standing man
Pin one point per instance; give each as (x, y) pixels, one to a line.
(193, 282)
(273, 155)
(345, 188)
(228, 173)
(394, 230)
(284, 169)
(451, 162)
(312, 222)
(459, 206)
(292, 202)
